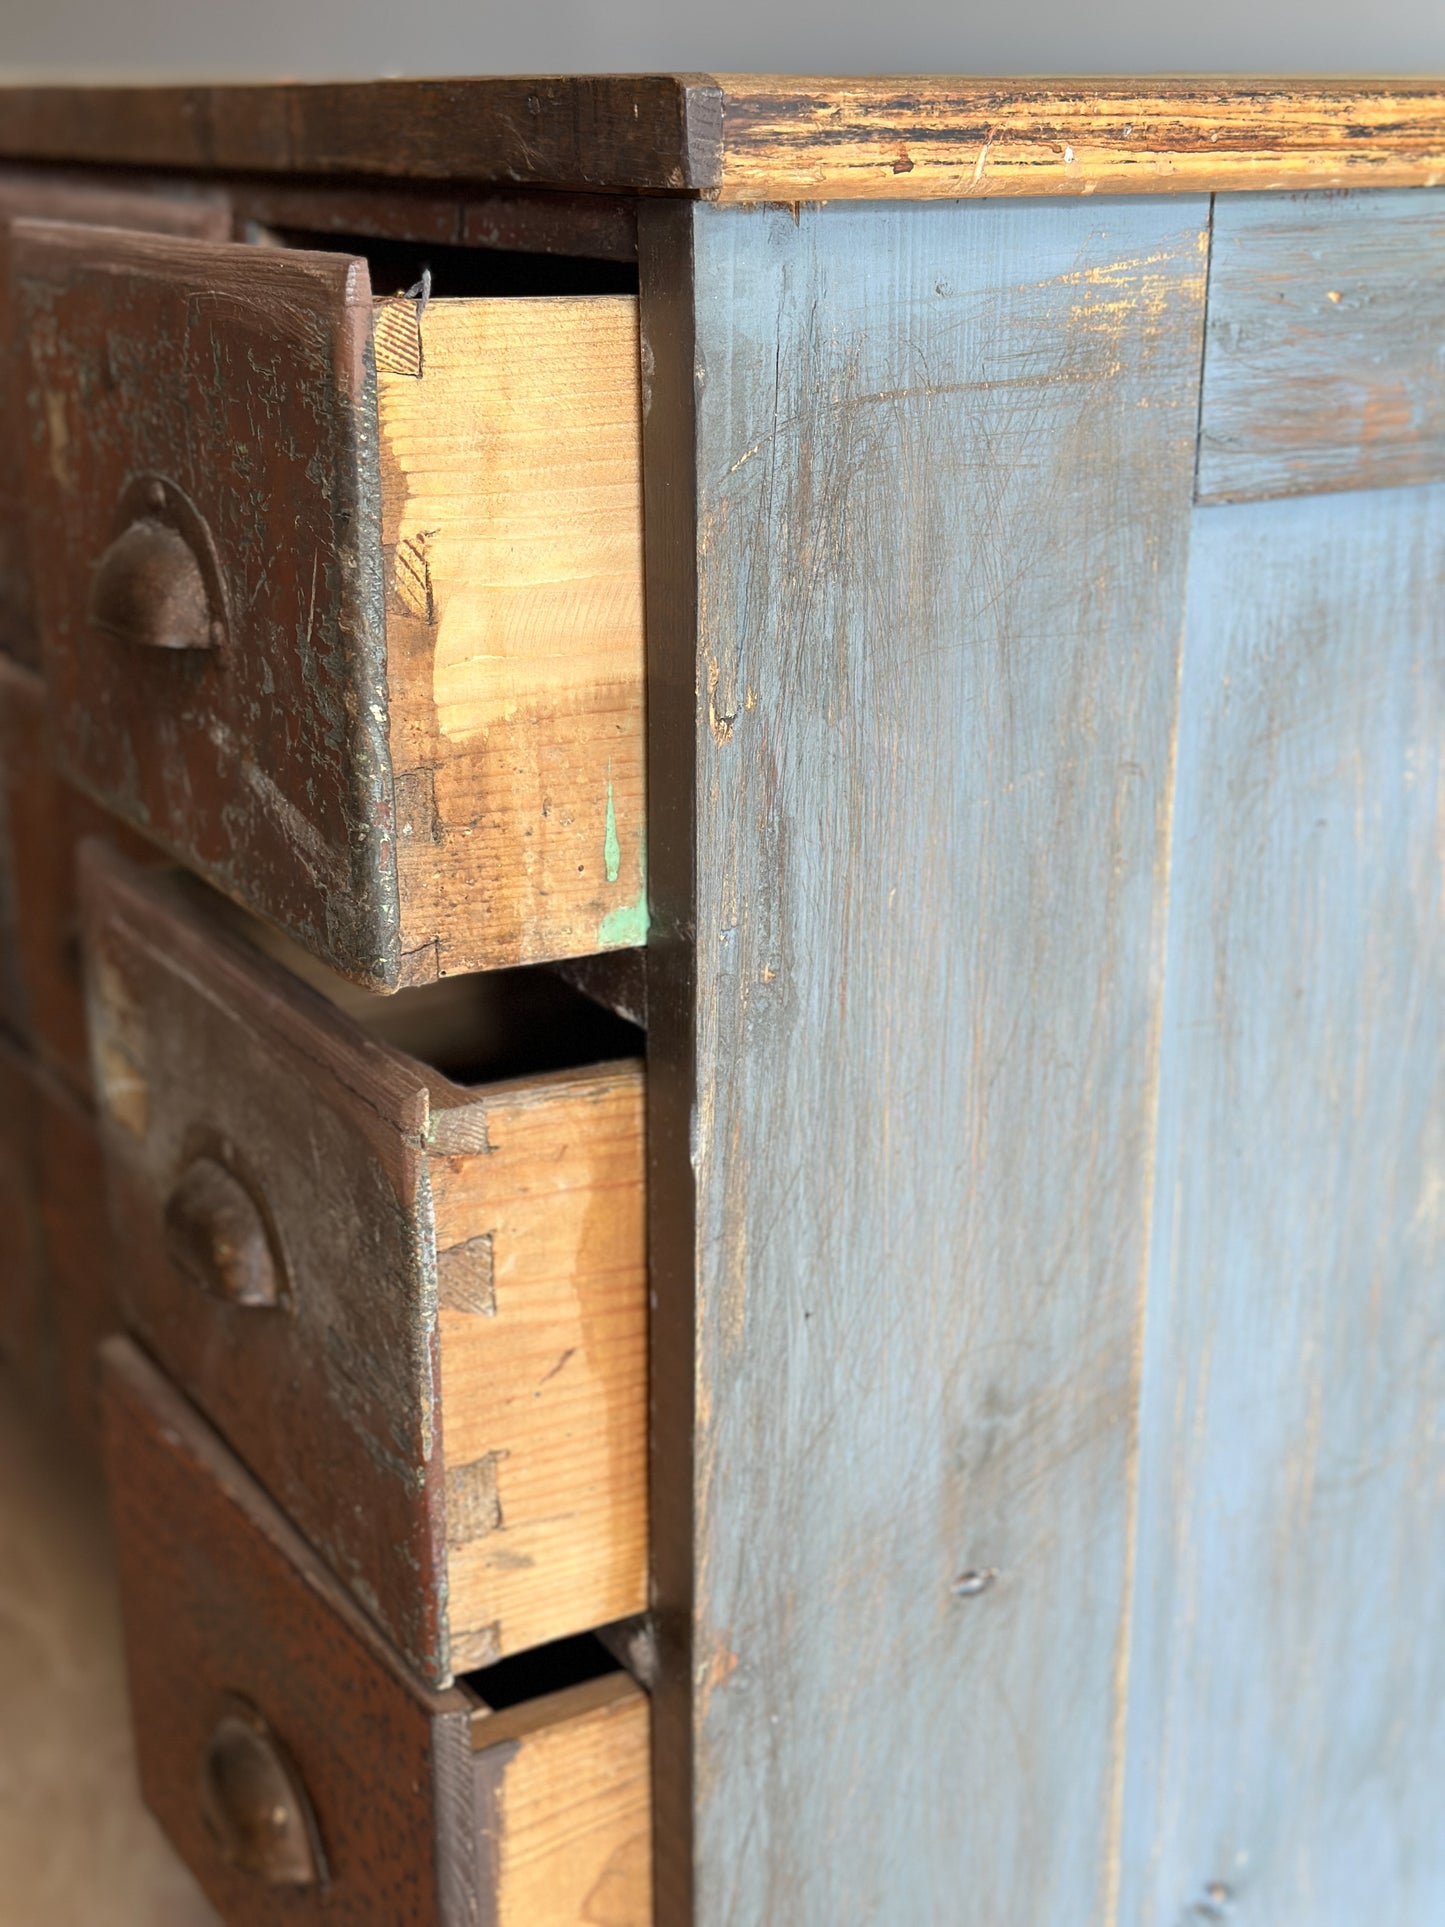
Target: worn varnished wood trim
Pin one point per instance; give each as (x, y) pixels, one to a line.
(669, 469)
(767, 137)
(797, 139)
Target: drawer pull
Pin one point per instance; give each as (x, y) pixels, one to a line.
(255, 1805)
(217, 1236)
(159, 583)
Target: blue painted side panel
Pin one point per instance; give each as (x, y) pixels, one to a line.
(1324, 364)
(1287, 1691)
(945, 461)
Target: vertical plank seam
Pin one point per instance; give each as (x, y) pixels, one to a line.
(1203, 359)
(1113, 1862)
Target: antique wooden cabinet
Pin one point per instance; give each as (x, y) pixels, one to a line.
(862, 1339)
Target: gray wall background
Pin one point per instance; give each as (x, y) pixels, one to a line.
(317, 38)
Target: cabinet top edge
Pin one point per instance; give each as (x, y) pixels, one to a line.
(763, 138)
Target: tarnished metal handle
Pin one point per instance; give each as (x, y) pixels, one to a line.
(255, 1805)
(216, 1234)
(159, 583)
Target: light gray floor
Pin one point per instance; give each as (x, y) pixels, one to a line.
(77, 1849)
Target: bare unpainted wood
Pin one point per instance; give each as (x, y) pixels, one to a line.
(43, 821)
(944, 471)
(511, 512)
(413, 741)
(564, 1807)
(167, 208)
(1322, 365)
(1287, 1706)
(451, 1399)
(226, 1610)
(769, 137)
(543, 1335)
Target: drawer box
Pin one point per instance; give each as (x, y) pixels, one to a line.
(342, 599)
(43, 820)
(300, 1770)
(415, 1307)
(203, 214)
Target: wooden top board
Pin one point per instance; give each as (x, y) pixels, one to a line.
(767, 137)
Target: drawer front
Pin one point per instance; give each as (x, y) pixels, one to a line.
(203, 214)
(204, 511)
(23, 1335)
(297, 1768)
(79, 1248)
(342, 604)
(418, 1313)
(43, 820)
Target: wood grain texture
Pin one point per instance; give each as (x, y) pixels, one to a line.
(541, 1246)
(795, 138)
(1288, 1701)
(632, 133)
(167, 208)
(563, 1806)
(223, 1601)
(451, 1399)
(260, 763)
(43, 821)
(749, 137)
(203, 1048)
(941, 543)
(511, 475)
(1322, 364)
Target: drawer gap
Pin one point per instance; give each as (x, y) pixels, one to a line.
(463, 272)
(478, 1028)
(544, 1670)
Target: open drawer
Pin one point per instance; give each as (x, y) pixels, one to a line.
(297, 1767)
(342, 598)
(415, 1305)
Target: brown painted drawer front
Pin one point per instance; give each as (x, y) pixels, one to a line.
(43, 820)
(79, 1249)
(24, 1337)
(202, 213)
(297, 1766)
(416, 1309)
(342, 601)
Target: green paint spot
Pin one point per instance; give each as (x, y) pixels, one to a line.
(626, 926)
(611, 848)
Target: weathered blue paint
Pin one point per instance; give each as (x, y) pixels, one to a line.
(945, 462)
(1287, 1689)
(1324, 365)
